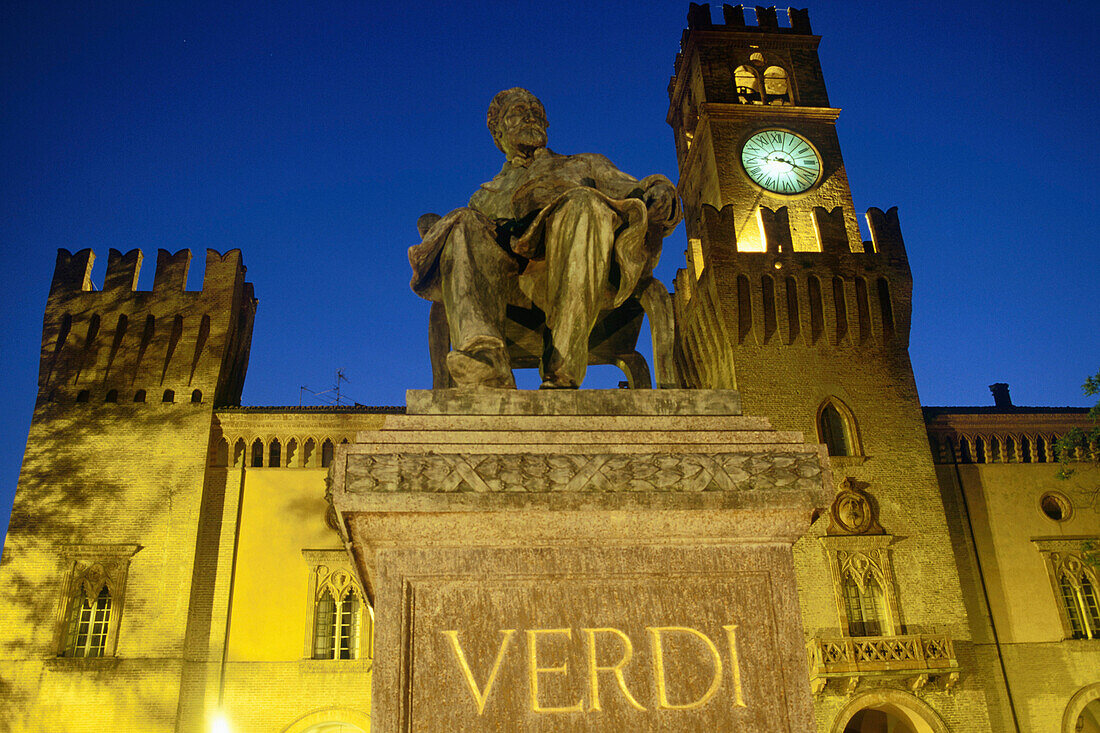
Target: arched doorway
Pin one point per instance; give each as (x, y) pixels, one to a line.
(331, 720)
(888, 711)
(1083, 711)
(1089, 719)
(875, 720)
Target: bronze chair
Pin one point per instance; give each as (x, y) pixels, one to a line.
(613, 340)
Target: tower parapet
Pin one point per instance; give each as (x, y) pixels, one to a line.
(167, 344)
(778, 297)
(766, 19)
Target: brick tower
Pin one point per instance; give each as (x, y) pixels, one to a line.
(112, 494)
(783, 301)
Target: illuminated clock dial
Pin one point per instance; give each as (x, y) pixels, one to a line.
(781, 161)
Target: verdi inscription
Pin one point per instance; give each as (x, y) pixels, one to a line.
(593, 653)
(595, 641)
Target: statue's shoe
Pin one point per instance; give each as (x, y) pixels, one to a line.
(484, 363)
(559, 381)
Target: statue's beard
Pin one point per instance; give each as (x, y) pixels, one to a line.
(530, 136)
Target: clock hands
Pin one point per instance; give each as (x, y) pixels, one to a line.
(781, 161)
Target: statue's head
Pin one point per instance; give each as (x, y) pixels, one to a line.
(517, 121)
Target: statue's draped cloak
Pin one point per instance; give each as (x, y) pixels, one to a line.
(526, 193)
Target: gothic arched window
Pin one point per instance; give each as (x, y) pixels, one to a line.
(1080, 603)
(836, 429)
(864, 602)
(341, 620)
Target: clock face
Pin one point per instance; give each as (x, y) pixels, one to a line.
(781, 161)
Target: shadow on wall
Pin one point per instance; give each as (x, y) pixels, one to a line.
(86, 479)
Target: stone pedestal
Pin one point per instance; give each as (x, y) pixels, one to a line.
(595, 560)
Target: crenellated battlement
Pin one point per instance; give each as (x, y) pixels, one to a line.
(772, 232)
(765, 20)
(835, 297)
(73, 272)
(758, 20)
(166, 344)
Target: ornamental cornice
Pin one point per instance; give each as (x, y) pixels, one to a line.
(767, 114)
(1063, 544)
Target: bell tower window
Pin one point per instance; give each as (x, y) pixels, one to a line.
(747, 83)
(777, 87)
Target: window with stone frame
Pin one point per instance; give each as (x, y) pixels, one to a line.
(341, 621)
(863, 583)
(863, 597)
(1075, 585)
(862, 570)
(92, 598)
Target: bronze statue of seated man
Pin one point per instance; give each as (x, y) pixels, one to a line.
(570, 234)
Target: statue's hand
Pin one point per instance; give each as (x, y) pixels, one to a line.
(660, 202)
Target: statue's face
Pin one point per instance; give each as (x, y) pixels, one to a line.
(523, 126)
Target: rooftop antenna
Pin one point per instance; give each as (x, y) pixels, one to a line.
(332, 395)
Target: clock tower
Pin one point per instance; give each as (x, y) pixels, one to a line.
(745, 100)
(782, 300)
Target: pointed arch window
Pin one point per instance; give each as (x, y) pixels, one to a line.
(864, 584)
(336, 628)
(836, 429)
(1080, 603)
(1075, 585)
(341, 619)
(92, 601)
(864, 602)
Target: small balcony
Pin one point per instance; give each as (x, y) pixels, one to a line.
(918, 658)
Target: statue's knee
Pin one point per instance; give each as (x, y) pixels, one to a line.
(469, 219)
(583, 196)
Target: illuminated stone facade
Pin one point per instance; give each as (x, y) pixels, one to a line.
(169, 560)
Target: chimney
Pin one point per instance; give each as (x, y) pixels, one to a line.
(1001, 397)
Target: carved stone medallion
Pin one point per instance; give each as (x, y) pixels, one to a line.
(853, 511)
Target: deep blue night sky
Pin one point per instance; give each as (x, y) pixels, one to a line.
(312, 134)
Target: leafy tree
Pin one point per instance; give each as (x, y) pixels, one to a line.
(1087, 441)
(1084, 440)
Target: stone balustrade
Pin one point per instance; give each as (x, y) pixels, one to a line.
(918, 657)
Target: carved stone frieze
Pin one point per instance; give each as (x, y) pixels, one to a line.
(558, 472)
